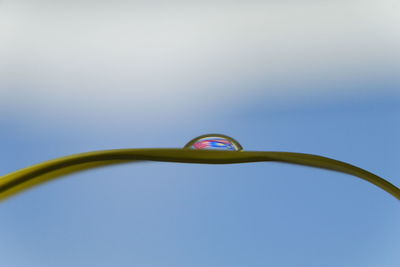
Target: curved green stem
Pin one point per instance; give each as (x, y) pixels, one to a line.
(20, 180)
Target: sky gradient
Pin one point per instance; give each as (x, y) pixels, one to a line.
(309, 78)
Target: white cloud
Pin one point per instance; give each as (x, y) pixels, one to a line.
(154, 57)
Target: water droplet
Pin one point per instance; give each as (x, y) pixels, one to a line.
(214, 142)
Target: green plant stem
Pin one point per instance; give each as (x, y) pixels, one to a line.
(23, 179)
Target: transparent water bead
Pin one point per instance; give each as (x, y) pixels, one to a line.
(214, 142)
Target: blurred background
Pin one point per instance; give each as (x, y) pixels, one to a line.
(317, 77)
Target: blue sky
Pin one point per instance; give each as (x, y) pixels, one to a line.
(272, 89)
(166, 214)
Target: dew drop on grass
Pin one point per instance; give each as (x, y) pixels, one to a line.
(214, 142)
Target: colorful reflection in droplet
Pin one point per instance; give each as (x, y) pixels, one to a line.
(214, 142)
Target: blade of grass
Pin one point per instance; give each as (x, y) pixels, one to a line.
(20, 180)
